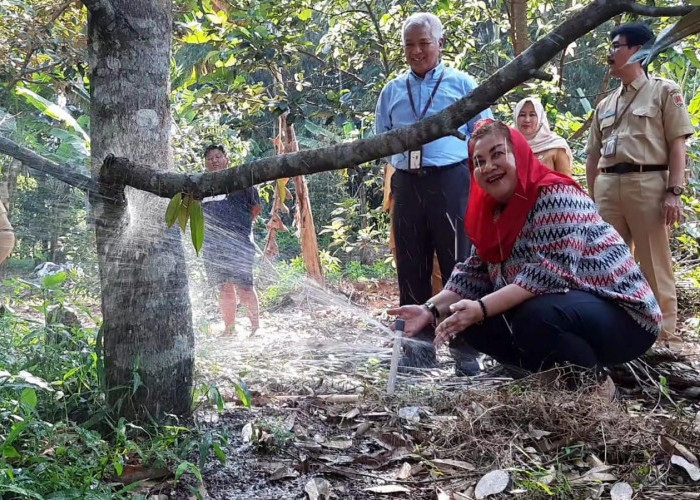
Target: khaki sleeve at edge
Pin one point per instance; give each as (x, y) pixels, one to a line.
(594, 136)
(675, 115)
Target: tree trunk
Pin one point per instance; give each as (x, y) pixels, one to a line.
(148, 342)
(304, 218)
(518, 24)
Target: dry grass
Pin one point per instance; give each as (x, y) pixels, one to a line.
(547, 436)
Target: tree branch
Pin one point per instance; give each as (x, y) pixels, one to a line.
(323, 61)
(38, 162)
(380, 39)
(120, 171)
(650, 11)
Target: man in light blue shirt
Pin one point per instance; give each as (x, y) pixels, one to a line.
(431, 184)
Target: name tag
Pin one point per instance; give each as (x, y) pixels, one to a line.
(414, 159)
(610, 146)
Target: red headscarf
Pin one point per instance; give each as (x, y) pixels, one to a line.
(494, 240)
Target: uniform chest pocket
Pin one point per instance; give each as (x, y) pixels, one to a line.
(607, 122)
(644, 120)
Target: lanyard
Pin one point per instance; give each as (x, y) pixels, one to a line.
(430, 100)
(617, 102)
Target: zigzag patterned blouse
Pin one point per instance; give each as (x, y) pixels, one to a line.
(565, 245)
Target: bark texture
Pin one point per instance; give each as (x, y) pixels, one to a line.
(148, 342)
(518, 26)
(303, 217)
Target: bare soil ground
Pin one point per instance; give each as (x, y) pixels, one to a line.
(322, 426)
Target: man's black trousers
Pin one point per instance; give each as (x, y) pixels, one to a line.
(428, 218)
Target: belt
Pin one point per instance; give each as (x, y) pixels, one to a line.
(626, 168)
(430, 169)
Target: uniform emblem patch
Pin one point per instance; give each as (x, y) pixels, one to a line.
(678, 99)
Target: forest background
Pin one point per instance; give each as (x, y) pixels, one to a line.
(236, 69)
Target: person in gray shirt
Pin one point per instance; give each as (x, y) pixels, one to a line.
(228, 246)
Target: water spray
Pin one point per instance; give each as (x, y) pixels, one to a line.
(391, 384)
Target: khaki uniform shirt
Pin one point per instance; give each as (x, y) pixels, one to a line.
(656, 116)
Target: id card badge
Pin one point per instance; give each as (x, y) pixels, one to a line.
(610, 146)
(414, 159)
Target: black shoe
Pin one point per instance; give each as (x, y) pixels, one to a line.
(466, 363)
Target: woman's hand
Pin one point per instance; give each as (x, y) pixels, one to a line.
(465, 313)
(416, 318)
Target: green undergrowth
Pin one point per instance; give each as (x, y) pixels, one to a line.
(287, 278)
(58, 437)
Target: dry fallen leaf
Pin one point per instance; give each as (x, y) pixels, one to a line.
(692, 469)
(318, 489)
(492, 483)
(404, 471)
(388, 488)
(444, 495)
(410, 413)
(621, 491)
(338, 444)
(362, 428)
(351, 414)
(673, 447)
(247, 433)
(283, 472)
(594, 461)
(537, 434)
(459, 464)
(289, 421)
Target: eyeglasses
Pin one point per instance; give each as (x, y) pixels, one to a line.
(614, 46)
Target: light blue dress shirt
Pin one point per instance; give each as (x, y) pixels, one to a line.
(394, 111)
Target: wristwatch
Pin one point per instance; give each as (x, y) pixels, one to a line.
(433, 309)
(675, 190)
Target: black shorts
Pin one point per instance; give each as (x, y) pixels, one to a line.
(230, 264)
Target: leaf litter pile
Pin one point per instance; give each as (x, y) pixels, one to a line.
(321, 425)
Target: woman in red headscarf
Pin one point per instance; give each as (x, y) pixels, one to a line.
(548, 282)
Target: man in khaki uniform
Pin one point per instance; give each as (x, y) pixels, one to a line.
(636, 161)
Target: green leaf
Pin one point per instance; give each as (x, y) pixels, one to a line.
(305, 14)
(184, 212)
(187, 466)
(173, 209)
(204, 448)
(15, 432)
(186, 58)
(28, 397)
(197, 225)
(137, 382)
(9, 452)
(243, 393)
(52, 109)
(219, 453)
(20, 491)
(53, 280)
